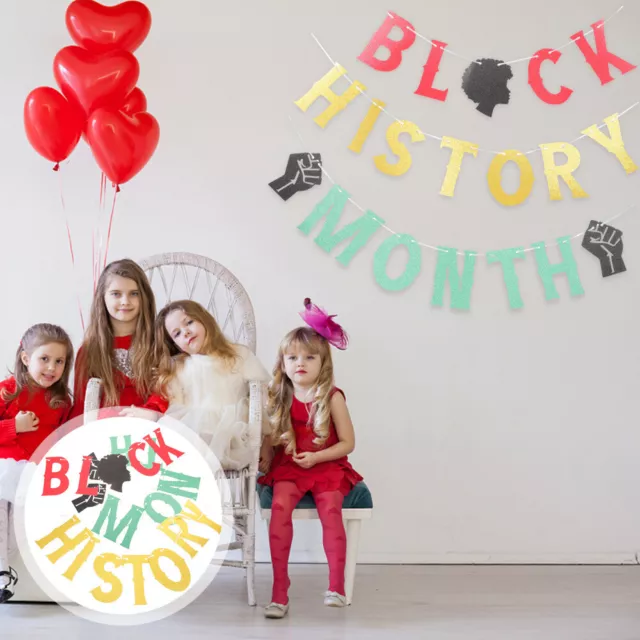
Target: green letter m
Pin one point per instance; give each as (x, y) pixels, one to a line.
(359, 230)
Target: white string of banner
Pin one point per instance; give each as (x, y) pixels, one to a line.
(434, 247)
(377, 104)
(457, 55)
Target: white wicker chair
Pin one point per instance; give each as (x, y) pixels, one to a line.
(179, 276)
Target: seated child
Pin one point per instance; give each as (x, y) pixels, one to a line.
(205, 378)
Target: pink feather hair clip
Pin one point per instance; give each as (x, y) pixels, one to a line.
(323, 324)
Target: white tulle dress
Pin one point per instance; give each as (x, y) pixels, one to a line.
(213, 400)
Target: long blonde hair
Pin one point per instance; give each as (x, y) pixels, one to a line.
(280, 396)
(168, 355)
(34, 337)
(97, 348)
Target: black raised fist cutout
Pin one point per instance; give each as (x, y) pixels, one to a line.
(605, 243)
(304, 170)
(110, 470)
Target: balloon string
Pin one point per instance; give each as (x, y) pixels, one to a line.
(93, 259)
(103, 192)
(97, 234)
(71, 252)
(113, 209)
(102, 188)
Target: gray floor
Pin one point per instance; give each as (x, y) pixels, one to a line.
(443, 603)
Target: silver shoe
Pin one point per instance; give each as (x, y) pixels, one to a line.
(334, 599)
(275, 610)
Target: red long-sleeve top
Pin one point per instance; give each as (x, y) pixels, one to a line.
(21, 446)
(128, 395)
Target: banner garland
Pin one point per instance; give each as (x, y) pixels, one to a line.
(443, 47)
(613, 143)
(485, 83)
(600, 239)
(380, 107)
(492, 72)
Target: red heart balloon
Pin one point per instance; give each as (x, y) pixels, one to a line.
(53, 125)
(95, 80)
(100, 29)
(134, 103)
(122, 144)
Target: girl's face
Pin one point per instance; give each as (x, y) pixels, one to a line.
(187, 334)
(122, 299)
(46, 364)
(302, 367)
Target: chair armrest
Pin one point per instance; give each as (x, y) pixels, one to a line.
(92, 399)
(255, 420)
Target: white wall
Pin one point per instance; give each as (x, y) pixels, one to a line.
(486, 436)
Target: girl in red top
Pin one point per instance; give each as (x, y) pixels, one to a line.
(313, 434)
(34, 402)
(118, 345)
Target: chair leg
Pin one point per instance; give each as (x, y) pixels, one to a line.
(249, 559)
(353, 536)
(249, 543)
(251, 581)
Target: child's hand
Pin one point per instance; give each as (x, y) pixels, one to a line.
(139, 412)
(265, 464)
(266, 457)
(26, 421)
(306, 460)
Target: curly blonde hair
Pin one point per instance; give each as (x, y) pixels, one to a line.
(280, 395)
(168, 355)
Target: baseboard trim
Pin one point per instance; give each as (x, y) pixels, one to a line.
(612, 559)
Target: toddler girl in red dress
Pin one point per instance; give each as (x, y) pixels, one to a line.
(313, 434)
(34, 402)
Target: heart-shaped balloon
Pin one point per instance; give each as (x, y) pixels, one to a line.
(134, 103)
(122, 144)
(95, 80)
(53, 125)
(100, 29)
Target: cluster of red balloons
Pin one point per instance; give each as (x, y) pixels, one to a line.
(99, 100)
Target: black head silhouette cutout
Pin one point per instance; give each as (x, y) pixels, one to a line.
(485, 82)
(112, 469)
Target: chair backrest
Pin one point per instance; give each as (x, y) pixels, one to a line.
(180, 276)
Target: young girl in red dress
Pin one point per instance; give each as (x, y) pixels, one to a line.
(313, 434)
(118, 347)
(34, 402)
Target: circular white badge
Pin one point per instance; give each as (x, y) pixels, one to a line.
(122, 516)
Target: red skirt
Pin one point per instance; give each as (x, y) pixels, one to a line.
(335, 475)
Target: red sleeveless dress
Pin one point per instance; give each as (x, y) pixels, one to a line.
(335, 475)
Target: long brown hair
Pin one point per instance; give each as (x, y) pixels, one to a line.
(37, 336)
(280, 395)
(168, 354)
(97, 348)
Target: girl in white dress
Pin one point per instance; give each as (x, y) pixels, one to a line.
(205, 378)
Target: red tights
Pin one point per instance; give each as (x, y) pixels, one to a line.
(286, 496)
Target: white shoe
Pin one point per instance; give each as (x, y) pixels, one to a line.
(275, 610)
(334, 599)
